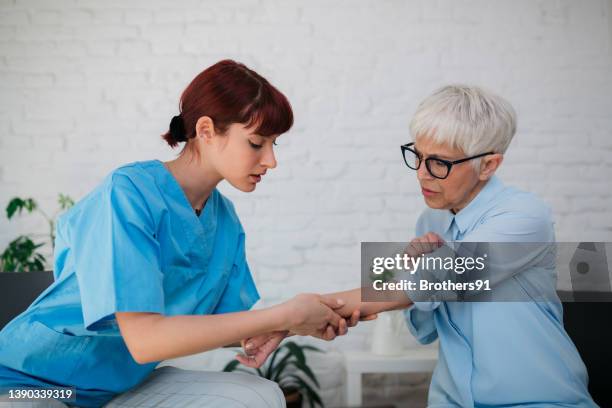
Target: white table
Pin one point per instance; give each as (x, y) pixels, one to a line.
(418, 360)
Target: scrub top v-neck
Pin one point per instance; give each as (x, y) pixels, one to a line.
(134, 244)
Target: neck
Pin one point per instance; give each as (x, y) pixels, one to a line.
(196, 178)
(471, 195)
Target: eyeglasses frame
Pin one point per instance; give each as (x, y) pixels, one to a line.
(448, 163)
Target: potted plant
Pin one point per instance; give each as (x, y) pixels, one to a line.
(287, 366)
(18, 290)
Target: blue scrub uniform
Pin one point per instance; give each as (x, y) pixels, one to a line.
(500, 354)
(134, 244)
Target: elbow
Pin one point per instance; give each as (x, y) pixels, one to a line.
(141, 358)
(135, 329)
(138, 351)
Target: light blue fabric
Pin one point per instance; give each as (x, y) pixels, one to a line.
(133, 244)
(495, 354)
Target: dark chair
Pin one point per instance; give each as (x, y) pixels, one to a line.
(589, 324)
(18, 290)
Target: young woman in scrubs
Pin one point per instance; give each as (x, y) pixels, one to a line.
(151, 264)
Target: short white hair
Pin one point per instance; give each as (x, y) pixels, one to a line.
(466, 117)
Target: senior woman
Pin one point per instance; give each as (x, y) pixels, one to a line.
(491, 353)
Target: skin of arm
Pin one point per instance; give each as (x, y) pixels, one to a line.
(352, 301)
(258, 348)
(388, 300)
(153, 337)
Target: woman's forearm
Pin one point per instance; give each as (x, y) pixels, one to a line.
(352, 299)
(152, 337)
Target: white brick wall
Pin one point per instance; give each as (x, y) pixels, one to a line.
(88, 85)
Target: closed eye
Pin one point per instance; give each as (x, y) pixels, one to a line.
(255, 146)
(439, 162)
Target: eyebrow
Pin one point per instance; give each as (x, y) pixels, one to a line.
(435, 155)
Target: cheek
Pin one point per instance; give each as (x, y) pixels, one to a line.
(459, 185)
(449, 191)
(238, 159)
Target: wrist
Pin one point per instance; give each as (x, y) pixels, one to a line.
(286, 318)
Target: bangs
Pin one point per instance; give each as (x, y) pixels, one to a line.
(443, 127)
(270, 114)
(466, 118)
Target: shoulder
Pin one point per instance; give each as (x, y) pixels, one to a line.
(128, 188)
(513, 203)
(131, 177)
(519, 214)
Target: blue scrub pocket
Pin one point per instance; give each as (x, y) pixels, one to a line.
(38, 350)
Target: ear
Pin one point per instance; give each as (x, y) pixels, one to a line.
(489, 164)
(205, 129)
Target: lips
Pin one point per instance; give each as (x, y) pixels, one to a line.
(256, 177)
(428, 193)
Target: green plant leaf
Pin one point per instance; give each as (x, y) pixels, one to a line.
(17, 205)
(271, 363)
(313, 396)
(21, 256)
(280, 367)
(13, 206)
(65, 201)
(306, 370)
(296, 351)
(231, 366)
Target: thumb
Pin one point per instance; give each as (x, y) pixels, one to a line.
(332, 303)
(255, 342)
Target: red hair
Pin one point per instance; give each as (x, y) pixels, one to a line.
(229, 92)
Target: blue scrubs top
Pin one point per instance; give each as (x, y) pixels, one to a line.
(134, 244)
(495, 354)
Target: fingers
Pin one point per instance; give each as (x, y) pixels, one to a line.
(424, 244)
(328, 333)
(255, 357)
(354, 318)
(434, 239)
(342, 328)
(367, 318)
(332, 303)
(254, 343)
(248, 361)
(333, 318)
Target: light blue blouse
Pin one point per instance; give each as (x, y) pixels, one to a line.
(133, 244)
(495, 354)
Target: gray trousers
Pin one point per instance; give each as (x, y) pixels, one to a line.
(172, 387)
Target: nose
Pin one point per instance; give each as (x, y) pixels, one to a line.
(269, 160)
(423, 173)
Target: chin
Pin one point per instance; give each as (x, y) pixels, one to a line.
(436, 205)
(245, 187)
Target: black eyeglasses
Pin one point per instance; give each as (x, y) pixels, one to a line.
(438, 168)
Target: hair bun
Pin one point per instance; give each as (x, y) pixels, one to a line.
(177, 129)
